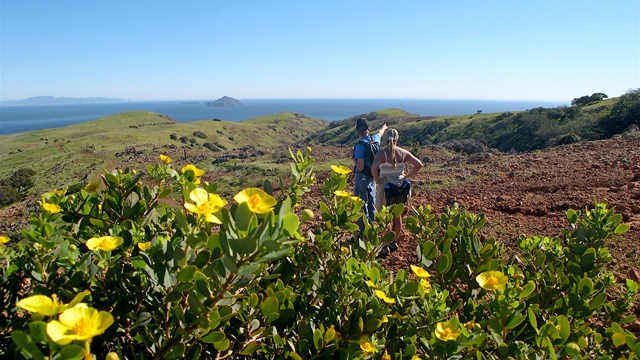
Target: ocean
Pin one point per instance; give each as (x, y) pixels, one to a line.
(20, 118)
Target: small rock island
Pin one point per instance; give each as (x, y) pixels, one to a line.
(225, 101)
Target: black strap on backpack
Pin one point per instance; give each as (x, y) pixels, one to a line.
(370, 150)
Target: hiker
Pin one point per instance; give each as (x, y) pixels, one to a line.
(365, 187)
(390, 174)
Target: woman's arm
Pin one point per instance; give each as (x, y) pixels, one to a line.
(415, 163)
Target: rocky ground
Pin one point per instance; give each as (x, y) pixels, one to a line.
(520, 194)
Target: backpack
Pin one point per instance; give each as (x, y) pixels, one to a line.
(370, 150)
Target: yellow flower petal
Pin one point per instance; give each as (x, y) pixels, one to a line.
(4, 239)
(197, 172)
(371, 284)
(492, 280)
(51, 208)
(165, 159)
(426, 286)
(259, 202)
(380, 294)
(420, 272)
(367, 347)
(144, 245)
(78, 323)
(40, 304)
(104, 243)
(342, 193)
(445, 331)
(339, 169)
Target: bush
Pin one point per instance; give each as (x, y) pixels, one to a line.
(206, 280)
(200, 134)
(13, 188)
(173, 136)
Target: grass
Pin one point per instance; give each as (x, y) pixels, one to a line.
(63, 156)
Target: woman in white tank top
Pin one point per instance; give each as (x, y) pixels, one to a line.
(390, 166)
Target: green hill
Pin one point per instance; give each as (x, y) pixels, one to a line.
(64, 155)
(520, 131)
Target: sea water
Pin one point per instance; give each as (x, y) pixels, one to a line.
(20, 118)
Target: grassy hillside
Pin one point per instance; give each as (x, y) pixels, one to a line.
(520, 131)
(65, 155)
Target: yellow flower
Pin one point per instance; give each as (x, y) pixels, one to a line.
(339, 169)
(470, 325)
(385, 319)
(78, 323)
(380, 294)
(197, 172)
(492, 280)
(4, 239)
(367, 347)
(445, 331)
(386, 356)
(112, 356)
(420, 272)
(144, 245)
(415, 357)
(371, 284)
(205, 204)
(259, 201)
(426, 286)
(342, 193)
(355, 198)
(104, 243)
(51, 208)
(165, 159)
(48, 306)
(344, 249)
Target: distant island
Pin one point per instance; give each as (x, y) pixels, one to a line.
(52, 100)
(225, 101)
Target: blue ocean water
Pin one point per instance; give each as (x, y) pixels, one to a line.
(15, 119)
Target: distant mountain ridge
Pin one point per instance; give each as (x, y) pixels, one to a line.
(52, 100)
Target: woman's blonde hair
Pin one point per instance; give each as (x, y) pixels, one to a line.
(393, 140)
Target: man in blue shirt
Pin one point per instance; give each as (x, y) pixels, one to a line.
(365, 187)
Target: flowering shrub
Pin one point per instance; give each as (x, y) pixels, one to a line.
(217, 278)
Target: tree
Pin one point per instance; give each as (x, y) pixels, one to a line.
(589, 99)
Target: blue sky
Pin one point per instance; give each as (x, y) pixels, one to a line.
(553, 50)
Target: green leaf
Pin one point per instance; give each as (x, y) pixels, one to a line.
(318, 343)
(294, 355)
(243, 216)
(70, 352)
(564, 327)
(516, 320)
(429, 250)
(585, 287)
(38, 331)
(621, 229)
(597, 301)
(23, 341)
(194, 352)
(290, 223)
(186, 274)
(444, 263)
(222, 345)
(532, 319)
(244, 246)
(175, 352)
(527, 289)
(213, 337)
(250, 348)
(572, 216)
(269, 305)
(138, 262)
